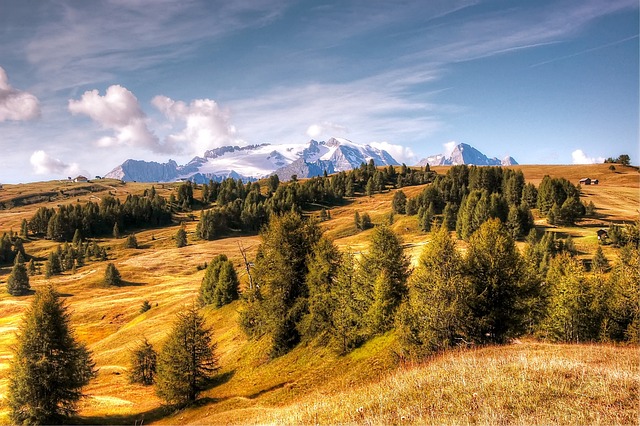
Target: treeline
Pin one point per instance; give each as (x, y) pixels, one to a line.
(303, 288)
(243, 207)
(93, 219)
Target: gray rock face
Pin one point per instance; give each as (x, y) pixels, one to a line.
(466, 154)
(145, 171)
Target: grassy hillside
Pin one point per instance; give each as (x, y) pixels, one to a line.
(521, 383)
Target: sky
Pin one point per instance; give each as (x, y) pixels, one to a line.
(87, 85)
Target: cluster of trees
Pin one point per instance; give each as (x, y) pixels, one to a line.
(466, 197)
(243, 207)
(623, 159)
(304, 288)
(50, 366)
(10, 246)
(220, 283)
(68, 257)
(559, 200)
(92, 219)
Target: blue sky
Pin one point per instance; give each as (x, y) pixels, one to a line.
(86, 85)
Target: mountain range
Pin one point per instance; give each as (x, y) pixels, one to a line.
(466, 154)
(304, 160)
(253, 162)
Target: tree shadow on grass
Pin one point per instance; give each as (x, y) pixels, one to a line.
(124, 419)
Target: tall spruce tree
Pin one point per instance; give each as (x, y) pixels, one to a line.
(187, 360)
(385, 269)
(436, 314)
(495, 270)
(18, 281)
(49, 367)
(112, 275)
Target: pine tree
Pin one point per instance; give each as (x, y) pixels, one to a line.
(112, 275)
(495, 271)
(143, 364)
(18, 281)
(24, 230)
(77, 238)
(436, 314)
(187, 360)
(599, 263)
(399, 202)
(131, 241)
(181, 237)
(385, 269)
(50, 367)
(31, 267)
(220, 282)
(116, 230)
(357, 221)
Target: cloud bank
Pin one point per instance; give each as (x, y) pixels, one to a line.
(118, 110)
(16, 105)
(43, 164)
(579, 157)
(400, 153)
(206, 125)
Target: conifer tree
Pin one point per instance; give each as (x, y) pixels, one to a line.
(77, 238)
(116, 230)
(181, 237)
(24, 230)
(18, 281)
(131, 241)
(143, 364)
(187, 360)
(495, 270)
(112, 275)
(599, 263)
(220, 282)
(50, 367)
(385, 270)
(436, 313)
(31, 267)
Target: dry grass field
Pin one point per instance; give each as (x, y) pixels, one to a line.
(522, 383)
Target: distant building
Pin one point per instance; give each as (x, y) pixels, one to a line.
(602, 234)
(589, 181)
(81, 179)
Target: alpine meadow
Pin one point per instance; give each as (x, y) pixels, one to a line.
(467, 295)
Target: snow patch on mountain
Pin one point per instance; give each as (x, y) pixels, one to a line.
(466, 154)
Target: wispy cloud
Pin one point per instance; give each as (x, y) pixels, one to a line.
(15, 104)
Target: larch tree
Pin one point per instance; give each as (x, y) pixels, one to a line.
(18, 281)
(143, 364)
(49, 367)
(187, 361)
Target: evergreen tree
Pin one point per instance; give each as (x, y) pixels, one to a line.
(112, 275)
(181, 237)
(280, 274)
(77, 238)
(116, 231)
(50, 367)
(220, 283)
(385, 270)
(399, 202)
(357, 221)
(131, 241)
(495, 270)
(18, 281)
(143, 364)
(436, 314)
(31, 267)
(187, 360)
(323, 266)
(24, 230)
(599, 263)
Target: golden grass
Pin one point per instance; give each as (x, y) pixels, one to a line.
(312, 381)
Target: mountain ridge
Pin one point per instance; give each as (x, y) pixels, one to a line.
(252, 162)
(466, 154)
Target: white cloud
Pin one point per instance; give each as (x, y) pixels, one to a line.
(206, 125)
(579, 157)
(118, 110)
(43, 164)
(15, 104)
(326, 129)
(400, 153)
(448, 148)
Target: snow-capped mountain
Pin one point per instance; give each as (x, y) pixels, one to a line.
(466, 154)
(257, 161)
